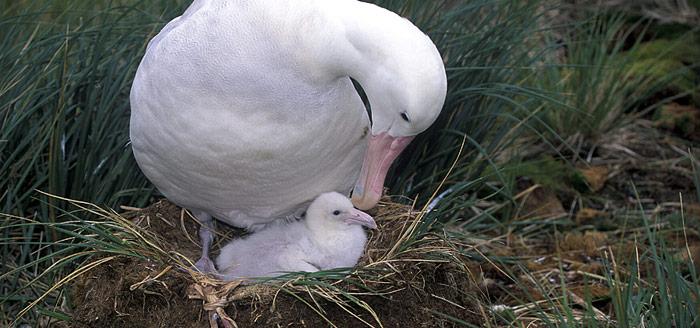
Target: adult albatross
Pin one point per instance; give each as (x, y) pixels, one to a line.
(245, 110)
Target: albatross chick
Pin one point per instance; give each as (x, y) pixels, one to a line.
(330, 237)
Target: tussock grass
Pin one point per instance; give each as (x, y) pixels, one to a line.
(600, 78)
(64, 102)
(64, 123)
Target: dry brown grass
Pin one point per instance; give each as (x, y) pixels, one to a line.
(392, 283)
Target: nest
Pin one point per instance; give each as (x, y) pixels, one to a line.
(402, 280)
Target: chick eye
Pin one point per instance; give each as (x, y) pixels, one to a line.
(336, 212)
(404, 116)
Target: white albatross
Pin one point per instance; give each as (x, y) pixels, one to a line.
(245, 111)
(331, 236)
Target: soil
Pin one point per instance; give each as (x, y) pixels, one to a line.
(646, 164)
(102, 298)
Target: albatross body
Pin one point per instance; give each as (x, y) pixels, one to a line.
(331, 236)
(245, 110)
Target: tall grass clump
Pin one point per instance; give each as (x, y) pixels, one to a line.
(64, 101)
(67, 68)
(604, 72)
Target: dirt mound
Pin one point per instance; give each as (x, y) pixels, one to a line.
(394, 286)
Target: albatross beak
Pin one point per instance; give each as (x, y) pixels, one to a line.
(358, 217)
(382, 151)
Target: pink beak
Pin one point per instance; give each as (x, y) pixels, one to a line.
(358, 217)
(382, 151)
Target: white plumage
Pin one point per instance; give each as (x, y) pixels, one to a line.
(245, 111)
(330, 237)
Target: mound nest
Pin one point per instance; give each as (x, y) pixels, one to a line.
(395, 285)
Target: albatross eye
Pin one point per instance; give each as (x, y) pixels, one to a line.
(336, 212)
(404, 116)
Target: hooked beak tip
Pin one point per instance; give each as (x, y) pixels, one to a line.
(361, 218)
(372, 226)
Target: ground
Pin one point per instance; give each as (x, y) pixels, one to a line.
(437, 281)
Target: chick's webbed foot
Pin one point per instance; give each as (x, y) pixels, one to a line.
(205, 265)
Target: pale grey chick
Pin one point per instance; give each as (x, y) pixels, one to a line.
(330, 237)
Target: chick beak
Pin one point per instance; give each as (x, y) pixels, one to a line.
(356, 216)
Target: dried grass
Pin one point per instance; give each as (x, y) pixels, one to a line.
(387, 268)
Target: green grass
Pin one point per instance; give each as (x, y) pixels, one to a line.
(602, 77)
(64, 111)
(486, 44)
(64, 128)
(64, 103)
(668, 293)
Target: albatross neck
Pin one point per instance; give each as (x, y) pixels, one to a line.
(371, 45)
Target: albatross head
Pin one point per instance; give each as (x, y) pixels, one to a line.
(333, 211)
(403, 75)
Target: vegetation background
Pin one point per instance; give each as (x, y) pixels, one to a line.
(564, 156)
